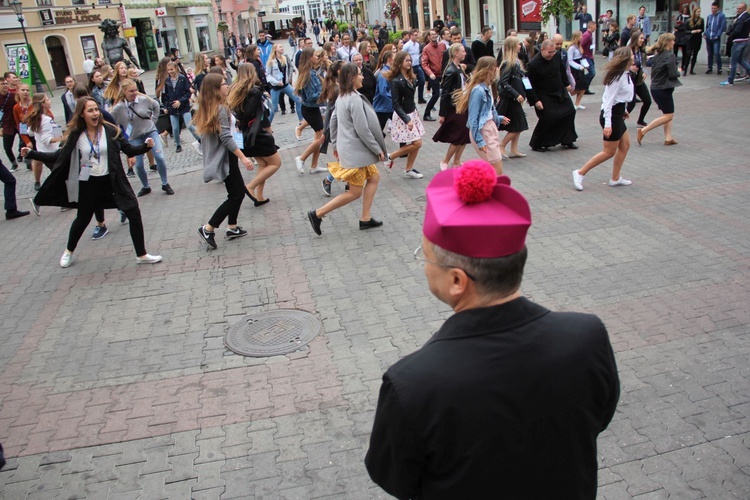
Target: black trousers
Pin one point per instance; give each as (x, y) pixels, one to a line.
(693, 48)
(383, 119)
(8, 146)
(235, 195)
(93, 194)
(434, 86)
(9, 188)
(642, 92)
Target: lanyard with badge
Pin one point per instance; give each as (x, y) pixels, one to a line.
(23, 128)
(94, 152)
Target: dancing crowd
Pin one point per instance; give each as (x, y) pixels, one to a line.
(352, 90)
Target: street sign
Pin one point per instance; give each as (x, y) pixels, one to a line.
(261, 13)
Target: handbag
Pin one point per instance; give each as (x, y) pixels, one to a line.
(164, 123)
(605, 51)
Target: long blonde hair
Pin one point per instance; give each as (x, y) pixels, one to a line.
(484, 72)
(113, 89)
(575, 39)
(210, 101)
(662, 42)
(123, 85)
(273, 56)
(510, 54)
(247, 78)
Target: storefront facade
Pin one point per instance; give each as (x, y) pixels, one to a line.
(61, 37)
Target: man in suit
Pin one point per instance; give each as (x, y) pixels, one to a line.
(507, 396)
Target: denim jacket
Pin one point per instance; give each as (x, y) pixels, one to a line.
(481, 109)
(311, 93)
(274, 76)
(382, 102)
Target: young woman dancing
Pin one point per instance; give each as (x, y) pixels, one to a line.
(308, 87)
(213, 121)
(618, 91)
(88, 175)
(406, 127)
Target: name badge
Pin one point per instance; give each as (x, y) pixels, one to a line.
(85, 173)
(526, 83)
(239, 139)
(23, 129)
(56, 131)
(1, 115)
(129, 130)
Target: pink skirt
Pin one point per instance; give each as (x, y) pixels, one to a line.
(492, 140)
(400, 131)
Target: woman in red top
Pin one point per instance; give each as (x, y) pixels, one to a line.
(23, 103)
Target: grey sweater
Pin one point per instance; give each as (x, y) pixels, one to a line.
(216, 149)
(355, 132)
(143, 115)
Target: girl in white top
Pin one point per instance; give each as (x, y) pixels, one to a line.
(46, 132)
(618, 91)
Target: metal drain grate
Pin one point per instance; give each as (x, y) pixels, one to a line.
(272, 333)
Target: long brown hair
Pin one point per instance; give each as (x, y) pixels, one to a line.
(398, 62)
(161, 75)
(206, 119)
(619, 65)
(200, 64)
(33, 117)
(305, 68)
(484, 72)
(386, 57)
(77, 124)
(113, 89)
(247, 78)
(347, 76)
(330, 83)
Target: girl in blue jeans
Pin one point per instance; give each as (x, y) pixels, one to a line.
(279, 72)
(175, 98)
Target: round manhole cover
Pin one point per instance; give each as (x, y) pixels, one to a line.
(272, 333)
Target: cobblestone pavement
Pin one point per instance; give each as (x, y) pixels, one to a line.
(115, 383)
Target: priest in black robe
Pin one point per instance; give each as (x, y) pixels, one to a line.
(551, 101)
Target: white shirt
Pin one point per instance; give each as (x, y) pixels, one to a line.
(98, 164)
(413, 49)
(619, 91)
(88, 66)
(346, 53)
(47, 131)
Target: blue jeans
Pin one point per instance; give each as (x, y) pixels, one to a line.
(157, 151)
(420, 81)
(592, 70)
(737, 49)
(275, 93)
(714, 50)
(175, 120)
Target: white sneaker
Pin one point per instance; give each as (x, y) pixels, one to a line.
(577, 180)
(300, 165)
(318, 170)
(580, 107)
(620, 182)
(148, 259)
(388, 125)
(413, 174)
(66, 260)
(197, 147)
(388, 162)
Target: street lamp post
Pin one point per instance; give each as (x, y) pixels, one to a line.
(223, 32)
(18, 11)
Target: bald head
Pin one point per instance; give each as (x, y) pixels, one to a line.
(558, 41)
(547, 49)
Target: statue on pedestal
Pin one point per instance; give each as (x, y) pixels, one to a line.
(113, 45)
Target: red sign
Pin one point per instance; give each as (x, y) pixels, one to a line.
(530, 15)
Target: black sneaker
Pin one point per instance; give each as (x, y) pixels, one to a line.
(589, 92)
(235, 232)
(709, 71)
(99, 232)
(370, 224)
(123, 217)
(315, 222)
(208, 236)
(719, 72)
(15, 214)
(326, 187)
(152, 167)
(167, 189)
(20, 158)
(14, 167)
(37, 186)
(179, 149)
(144, 192)
(130, 173)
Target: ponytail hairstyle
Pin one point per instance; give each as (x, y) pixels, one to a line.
(484, 72)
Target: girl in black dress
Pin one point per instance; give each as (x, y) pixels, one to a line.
(453, 128)
(512, 96)
(246, 102)
(618, 91)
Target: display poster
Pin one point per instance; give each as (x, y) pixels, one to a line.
(530, 15)
(20, 57)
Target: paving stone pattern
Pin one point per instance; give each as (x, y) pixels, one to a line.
(115, 383)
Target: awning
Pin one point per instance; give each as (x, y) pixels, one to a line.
(276, 16)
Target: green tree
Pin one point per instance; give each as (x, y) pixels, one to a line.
(555, 9)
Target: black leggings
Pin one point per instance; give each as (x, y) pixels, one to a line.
(685, 55)
(642, 92)
(92, 195)
(692, 55)
(235, 195)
